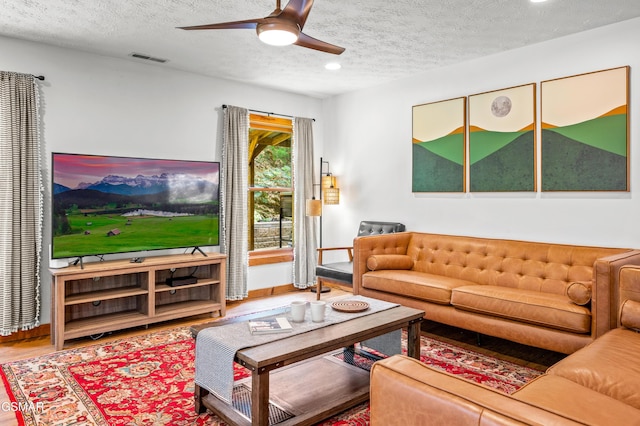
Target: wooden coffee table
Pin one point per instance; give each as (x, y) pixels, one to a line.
(299, 378)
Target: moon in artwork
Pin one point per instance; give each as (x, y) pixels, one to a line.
(501, 106)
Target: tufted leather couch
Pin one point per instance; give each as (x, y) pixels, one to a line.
(597, 385)
(552, 296)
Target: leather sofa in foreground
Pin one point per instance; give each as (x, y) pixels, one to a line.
(597, 385)
(552, 296)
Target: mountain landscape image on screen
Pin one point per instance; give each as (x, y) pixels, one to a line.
(139, 205)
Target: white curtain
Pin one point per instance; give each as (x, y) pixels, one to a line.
(305, 236)
(234, 186)
(21, 204)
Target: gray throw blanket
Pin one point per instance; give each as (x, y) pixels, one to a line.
(216, 347)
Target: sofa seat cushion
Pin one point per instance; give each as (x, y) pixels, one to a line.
(609, 365)
(414, 284)
(568, 399)
(534, 307)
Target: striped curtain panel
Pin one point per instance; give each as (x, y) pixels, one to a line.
(305, 241)
(234, 187)
(21, 204)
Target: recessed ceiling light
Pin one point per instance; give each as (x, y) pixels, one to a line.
(333, 66)
(537, 1)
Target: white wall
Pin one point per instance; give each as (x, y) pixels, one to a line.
(368, 141)
(101, 105)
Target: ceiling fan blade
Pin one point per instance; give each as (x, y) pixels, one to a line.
(248, 24)
(312, 43)
(297, 11)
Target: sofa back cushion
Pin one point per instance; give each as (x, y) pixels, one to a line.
(534, 266)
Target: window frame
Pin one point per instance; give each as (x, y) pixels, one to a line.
(275, 255)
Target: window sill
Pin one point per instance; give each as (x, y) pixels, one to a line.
(267, 257)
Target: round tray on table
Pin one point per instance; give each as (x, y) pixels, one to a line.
(350, 306)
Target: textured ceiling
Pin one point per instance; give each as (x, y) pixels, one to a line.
(384, 40)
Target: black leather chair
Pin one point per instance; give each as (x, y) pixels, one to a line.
(341, 273)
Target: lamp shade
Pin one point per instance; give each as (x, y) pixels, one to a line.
(332, 195)
(328, 181)
(313, 207)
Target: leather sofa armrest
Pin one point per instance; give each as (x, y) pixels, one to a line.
(321, 251)
(404, 391)
(605, 300)
(363, 247)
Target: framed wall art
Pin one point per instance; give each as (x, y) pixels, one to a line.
(439, 146)
(502, 140)
(585, 132)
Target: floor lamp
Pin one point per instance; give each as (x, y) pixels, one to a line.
(330, 194)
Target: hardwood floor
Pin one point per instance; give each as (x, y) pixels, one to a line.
(520, 354)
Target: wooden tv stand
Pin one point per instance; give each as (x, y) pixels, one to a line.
(117, 294)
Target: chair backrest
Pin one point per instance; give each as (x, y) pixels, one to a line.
(368, 227)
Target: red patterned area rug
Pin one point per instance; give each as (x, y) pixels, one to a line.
(148, 380)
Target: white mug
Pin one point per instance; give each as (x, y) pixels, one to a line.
(298, 309)
(317, 310)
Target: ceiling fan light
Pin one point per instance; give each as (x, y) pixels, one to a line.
(278, 37)
(278, 34)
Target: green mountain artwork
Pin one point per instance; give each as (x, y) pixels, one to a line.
(438, 165)
(501, 161)
(587, 156)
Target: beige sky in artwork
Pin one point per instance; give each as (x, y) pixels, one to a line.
(576, 99)
(433, 121)
(520, 116)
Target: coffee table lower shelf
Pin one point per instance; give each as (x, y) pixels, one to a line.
(304, 393)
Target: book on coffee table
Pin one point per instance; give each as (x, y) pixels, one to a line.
(270, 325)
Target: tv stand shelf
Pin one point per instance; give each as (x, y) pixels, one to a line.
(117, 294)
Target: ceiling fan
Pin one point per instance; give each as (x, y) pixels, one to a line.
(280, 28)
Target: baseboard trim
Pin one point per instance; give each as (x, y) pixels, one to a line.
(40, 331)
(272, 291)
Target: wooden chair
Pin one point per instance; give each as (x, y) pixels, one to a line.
(341, 273)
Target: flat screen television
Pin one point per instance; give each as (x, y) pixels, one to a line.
(106, 205)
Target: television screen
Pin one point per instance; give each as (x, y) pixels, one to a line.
(104, 205)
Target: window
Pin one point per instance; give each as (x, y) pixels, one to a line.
(270, 188)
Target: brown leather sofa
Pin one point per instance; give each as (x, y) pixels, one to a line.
(552, 296)
(597, 385)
